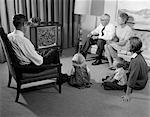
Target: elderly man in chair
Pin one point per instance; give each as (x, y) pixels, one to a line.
(24, 49)
(100, 36)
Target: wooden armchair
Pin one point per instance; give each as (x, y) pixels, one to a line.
(17, 71)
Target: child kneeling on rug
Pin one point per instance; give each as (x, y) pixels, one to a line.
(80, 73)
(118, 80)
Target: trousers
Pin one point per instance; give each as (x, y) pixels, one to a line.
(50, 56)
(113, 86)
(90, 41)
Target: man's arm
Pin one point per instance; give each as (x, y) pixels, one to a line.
(95, 32)
(31, 53)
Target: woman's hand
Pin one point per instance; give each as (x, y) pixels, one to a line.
(108, 42)
(125, 98)
(89, 35)
(94, 37)
(122, 43)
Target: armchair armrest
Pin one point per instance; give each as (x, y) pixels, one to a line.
(56, 47)
(50, 47)
(34, 68)
(43, 50)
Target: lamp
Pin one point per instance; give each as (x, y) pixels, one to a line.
(87, 7)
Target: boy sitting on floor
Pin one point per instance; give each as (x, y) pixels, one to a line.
(118, 80)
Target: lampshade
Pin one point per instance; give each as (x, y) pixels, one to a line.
(89, 7)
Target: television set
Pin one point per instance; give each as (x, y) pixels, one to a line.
(43, 36)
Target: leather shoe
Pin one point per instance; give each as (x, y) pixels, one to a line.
(112, 68)
(97, 62)
(84, 54)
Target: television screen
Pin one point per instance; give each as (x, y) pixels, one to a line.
(46, 36)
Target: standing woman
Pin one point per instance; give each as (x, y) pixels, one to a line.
(123, 32)
(138, 69)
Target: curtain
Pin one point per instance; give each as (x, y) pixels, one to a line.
(61, 11)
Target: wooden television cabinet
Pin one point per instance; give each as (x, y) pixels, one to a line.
(45, 35)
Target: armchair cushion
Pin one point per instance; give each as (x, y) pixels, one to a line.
(40, 74)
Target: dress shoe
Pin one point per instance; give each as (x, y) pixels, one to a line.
(84, 54)
(112, 68)
(103, 79)
(97, 62)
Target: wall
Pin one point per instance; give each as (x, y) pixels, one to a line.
(87, 24)
(134, 4)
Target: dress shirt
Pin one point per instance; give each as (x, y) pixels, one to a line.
(109, 31)
(24, 49)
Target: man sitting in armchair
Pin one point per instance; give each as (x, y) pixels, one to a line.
(23, 47)
(103, 33)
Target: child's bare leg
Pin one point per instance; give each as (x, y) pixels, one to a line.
(71, 72)
(112, 52)
(108, 55)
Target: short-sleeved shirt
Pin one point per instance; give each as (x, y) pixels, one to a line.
(123, 34)
(138, 72)
(120, 76)
(24, 49)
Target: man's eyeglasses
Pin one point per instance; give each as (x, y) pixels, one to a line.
(104, 19)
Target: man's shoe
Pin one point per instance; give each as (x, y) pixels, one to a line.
(84, 54)
(103, 79)
(97, 62)
(112, 68)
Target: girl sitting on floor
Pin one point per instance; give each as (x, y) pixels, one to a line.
(80, 73)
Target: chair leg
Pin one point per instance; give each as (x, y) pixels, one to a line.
(59, 84)
(18, 91)
(59, 87)
(9, 81)
(59, 79)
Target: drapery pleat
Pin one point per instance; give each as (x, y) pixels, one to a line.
(49, 10)
(70, 23)
(45, 11)
(56, 10)
(33, 7)
(28, 8)
(65, 23)
(20, 4)
(60, 19)
(61, 11)
(11, 12)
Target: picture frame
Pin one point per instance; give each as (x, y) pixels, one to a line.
(138, 11)
(139, 18)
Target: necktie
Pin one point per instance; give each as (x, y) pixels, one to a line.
(103, 30)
